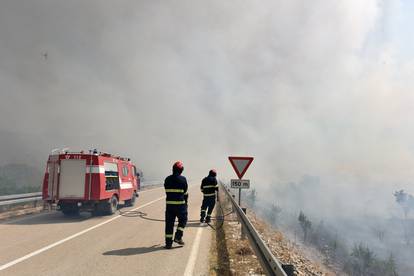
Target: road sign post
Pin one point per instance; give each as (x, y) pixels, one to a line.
(240, 166)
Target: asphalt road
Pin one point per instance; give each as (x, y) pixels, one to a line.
(130, 243)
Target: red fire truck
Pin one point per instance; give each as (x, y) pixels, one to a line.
(93, 181)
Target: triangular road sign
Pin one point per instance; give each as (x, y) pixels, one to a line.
(240, 164)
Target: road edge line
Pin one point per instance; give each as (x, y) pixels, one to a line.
(189, 269)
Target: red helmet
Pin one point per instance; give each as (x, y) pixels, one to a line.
(178, 167)
(212, 172)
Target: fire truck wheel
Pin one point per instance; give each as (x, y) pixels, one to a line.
(131, 202)
(97, 211)
(112, 205)
(70, 210)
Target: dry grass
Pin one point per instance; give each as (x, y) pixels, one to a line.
(288, 252)
(231, 255)
(20, 212)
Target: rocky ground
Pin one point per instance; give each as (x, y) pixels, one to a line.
(289, 253)
(234, 256)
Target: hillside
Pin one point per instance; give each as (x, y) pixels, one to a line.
(19, 178)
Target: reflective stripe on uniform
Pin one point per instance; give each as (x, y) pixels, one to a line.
(169, 235)
(213, 194)
(180, 228)
(210, 186)
(174, 190)
(175, 202)
(186, 193)
(203, 210)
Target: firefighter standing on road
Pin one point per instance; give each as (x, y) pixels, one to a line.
(176, 189)
(208, 188)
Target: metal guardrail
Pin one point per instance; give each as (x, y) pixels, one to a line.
(20, 198)
(151, 182)
(268, 261)
(10, 197)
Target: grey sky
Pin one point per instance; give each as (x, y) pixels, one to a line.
(315, 88)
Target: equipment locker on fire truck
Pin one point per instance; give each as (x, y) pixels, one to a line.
(94, 182)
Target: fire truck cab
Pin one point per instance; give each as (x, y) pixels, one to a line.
(95, 182)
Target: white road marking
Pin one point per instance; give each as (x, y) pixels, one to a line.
(189, 269)
(149, 190)
(162, 187)
(37, 252)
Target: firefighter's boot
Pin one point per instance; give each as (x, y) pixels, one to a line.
(179, 241)
(178, 238)
(202, 215)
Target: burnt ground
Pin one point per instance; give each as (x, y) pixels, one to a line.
(230, 255)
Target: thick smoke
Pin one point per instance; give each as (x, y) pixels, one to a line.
(318, 88)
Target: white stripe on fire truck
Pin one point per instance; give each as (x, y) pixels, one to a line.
(125, 185)
(95, 169)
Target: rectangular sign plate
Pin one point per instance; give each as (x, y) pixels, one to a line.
(240, 183)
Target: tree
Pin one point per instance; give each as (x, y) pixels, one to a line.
(390, 266)
(274, 213)
(305, 224)
(379, 232)
(252, 197)
(361, 261)
(406, 201)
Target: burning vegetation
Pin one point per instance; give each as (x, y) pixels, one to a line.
(353, 246)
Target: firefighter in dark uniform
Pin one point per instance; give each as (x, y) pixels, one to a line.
(208, 188)
(176, 189)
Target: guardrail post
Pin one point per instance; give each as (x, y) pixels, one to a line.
(234, 197)
(243, 231)
(289, 269)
